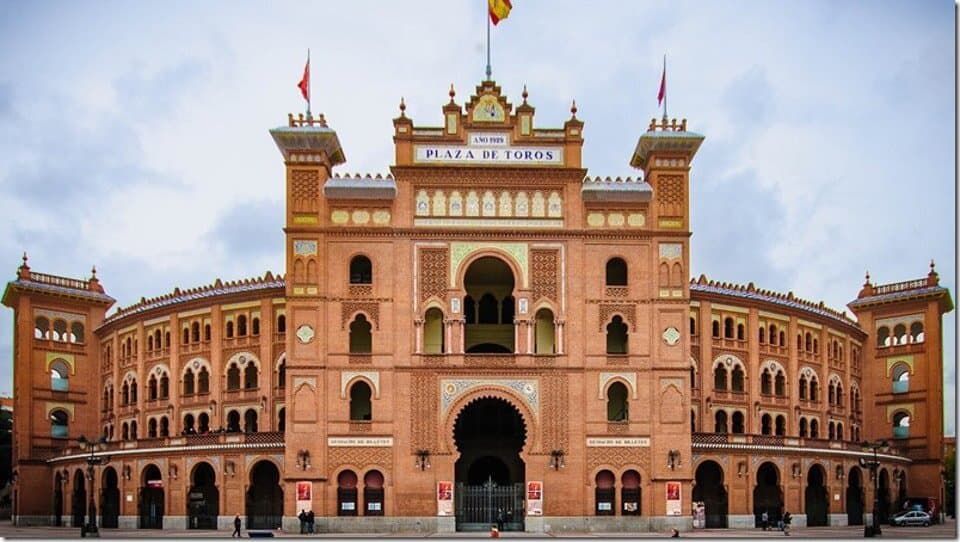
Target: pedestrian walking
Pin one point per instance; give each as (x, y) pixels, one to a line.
(311, 519)
(303, 521)
(764, 518)
(787, 518)
(236, 526)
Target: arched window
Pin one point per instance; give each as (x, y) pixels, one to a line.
(77, 330)
(203, 381)
(901, 378)
(255, 326)
(814, 390)
(830, 431)
(186, 335)
(808, 342)
(149, 343)
(883, 336)
(164, 386)
(736, 379)
(195, 328)
(839, 431)
(188, 383)
(543, 332)
(618, 408)
(716, 329)
(839, 395)
(124, 394)
(242, 325)
(761, 334)
(693, 421)
(41, 328)
(693, 326)
(152, 388)
(617, 336)
(766, 424)
(133, 430)
(282, 419)
(158, 339)
(125, 431)
(814, 428)
(783, 339)
(737, 425)
(59, 424)
(720, 422)
(133, 391)
(916, 332)
(803, 427)
(233, 421)
(728, 328)
(469, 310)
(766, 383)
(152, 428)
(203, 422)
(229, 330)
(605, 493)
(60, 331)
(233, 377)
(281, 324)
(831, 394)
(250, 376)
(720, 378)
(282, 375)
(780, 384)
(373, 493)
(189, 425)
(507, 310)
(206, 332)
(799, 342)
(164, 427)
(250, 421)
(900, 334)
(360, 404)
(616, 272)
(59, 376)
(361, 341)
(630, 493)
(803, 388)
(433, 336)
(780, 427)
(361, 270)
(347, 493)
(740, 332)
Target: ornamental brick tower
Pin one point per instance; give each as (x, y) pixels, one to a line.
(310, 150)
(55, 385)
(903, 380)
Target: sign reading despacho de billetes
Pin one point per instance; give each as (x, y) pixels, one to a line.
(629, 442)
(459, 154)
(360, 441)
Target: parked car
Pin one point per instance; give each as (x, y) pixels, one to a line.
(910, 517)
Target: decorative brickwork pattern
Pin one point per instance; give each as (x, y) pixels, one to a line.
(670, 195)
(304, 190)
(616, 457)
(543, 265)
(361, 290)
(424, 399)
(349, 308)
(360, 457)
(556, 399)
(434, 269)
(628, 311)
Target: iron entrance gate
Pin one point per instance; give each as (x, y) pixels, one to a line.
(477, 506)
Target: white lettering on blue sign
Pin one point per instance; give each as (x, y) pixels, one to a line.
(474, 155)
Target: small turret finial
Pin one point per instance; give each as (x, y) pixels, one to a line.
(93, 271)
(25, 258)
(23, 272)
(452, 93)
(403, 107)
(524, 94)
(868, 278)
(573, 109)
(932, 266)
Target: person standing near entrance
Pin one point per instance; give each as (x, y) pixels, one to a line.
(310, 521)
(236, 526)
(787, 518)
(764, 520)
(499, 519)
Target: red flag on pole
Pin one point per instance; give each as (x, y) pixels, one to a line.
(663, 84)
(304, 84)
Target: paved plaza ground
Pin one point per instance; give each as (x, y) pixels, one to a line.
(945, 531)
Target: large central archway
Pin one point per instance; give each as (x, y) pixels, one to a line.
(710, 491)
(815, 501)
(265, 497)
(855, 499)
(110, 499)
(767, 495)
(203, 499)
(488, 307)
(489, 434)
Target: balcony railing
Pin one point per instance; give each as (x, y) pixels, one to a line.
(210, 439)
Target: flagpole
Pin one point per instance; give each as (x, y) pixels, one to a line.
(664, 88)
(309, 86)
(489, 71)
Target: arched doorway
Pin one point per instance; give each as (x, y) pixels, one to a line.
(59, 480)
(815, 500)
(489, 434)
(884, 495)
(110, 499)
(78, 501)
(151, 499)
(767, 495)
(489, 307)
(203, 499)
(710, 491)
(373, 493)
(265, 497)
(855, 497)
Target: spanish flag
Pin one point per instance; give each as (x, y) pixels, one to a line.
(499, 9)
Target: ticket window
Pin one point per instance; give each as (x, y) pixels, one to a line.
(630, 493)
(347, 493)
(373, 494)
(605, 494)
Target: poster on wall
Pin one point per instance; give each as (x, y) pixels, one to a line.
(444, 498)
(534, 498)
(673, 499)
(304, 496)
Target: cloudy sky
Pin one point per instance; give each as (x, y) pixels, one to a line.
(134, 136)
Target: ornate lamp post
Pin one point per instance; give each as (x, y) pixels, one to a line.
(873, 530)
(90, 529)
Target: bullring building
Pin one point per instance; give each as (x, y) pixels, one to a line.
(486, 331)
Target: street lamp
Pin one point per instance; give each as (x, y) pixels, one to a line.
(873, 530)
(90, 529)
